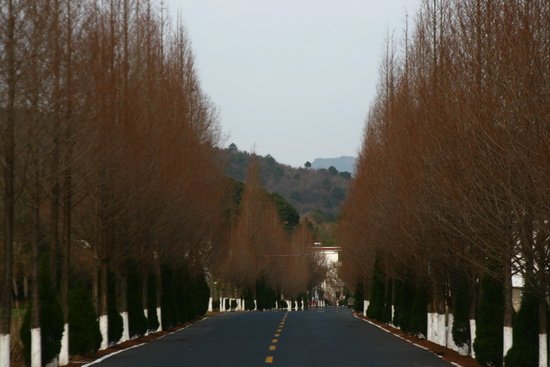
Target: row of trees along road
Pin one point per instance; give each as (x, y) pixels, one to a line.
(111, 188)
(268, 257)
(451, 195)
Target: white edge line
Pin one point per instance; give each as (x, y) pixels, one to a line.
(407, 340)
(99, 360)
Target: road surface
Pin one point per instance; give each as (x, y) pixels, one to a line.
(318, 337)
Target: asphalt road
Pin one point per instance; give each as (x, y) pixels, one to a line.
(322, 337)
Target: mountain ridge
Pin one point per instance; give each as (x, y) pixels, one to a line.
(318, 192)
(343, 163)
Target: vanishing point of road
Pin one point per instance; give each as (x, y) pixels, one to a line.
(317, 337)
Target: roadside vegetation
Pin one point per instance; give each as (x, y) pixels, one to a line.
(118, 219)
(450, 199)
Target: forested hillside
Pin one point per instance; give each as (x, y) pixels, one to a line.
(317, 192)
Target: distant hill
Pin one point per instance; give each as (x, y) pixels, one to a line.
(316, 192)
(342, 164)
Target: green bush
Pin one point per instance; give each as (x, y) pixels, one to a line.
(152, 318)
(136, 318)
(461, 309)
(404, 305)
(115, 320)
(359, 297)
(387, 311)
(84, 334)
(524, 351)
(377, 301)
(51, 322)
(248, 296)
(266, 296)
(168, 300)
(488, 343)
(419, 316)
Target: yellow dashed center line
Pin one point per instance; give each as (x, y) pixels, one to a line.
(269, 359)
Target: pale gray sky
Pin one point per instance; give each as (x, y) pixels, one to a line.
(292, 78)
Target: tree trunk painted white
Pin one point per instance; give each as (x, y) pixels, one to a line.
(255, 305)
(507, 339)
(473, 334)
(222, 304)
(276, 305)
(442, 326)
(289, 305)
(302, 308)
(430, 327)
(296, 305)
(36, 348)
(64, 351)
(543, 350)
(159, 316)
(104, 330)
(243, 305)
(5, 350)
(125, 327)
(210, 304)
(437, 329)
(392, 314)
(146, 314)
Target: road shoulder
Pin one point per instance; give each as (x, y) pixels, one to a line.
(447, 354)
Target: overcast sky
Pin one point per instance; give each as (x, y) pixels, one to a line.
(292, 78)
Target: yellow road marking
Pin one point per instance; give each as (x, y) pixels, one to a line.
(272, 347)
(269, 359)
(277, 335)
(275, 341)
(279, 330)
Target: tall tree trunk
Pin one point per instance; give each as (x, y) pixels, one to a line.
(543, 331)
(36, 343)
(103, 303)
(473, 314)
(8, 139)
(158, 289)
(65, 267)
(507, 340)
(67, 193)
(54, 218)
(122, 281)
(66, 253)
